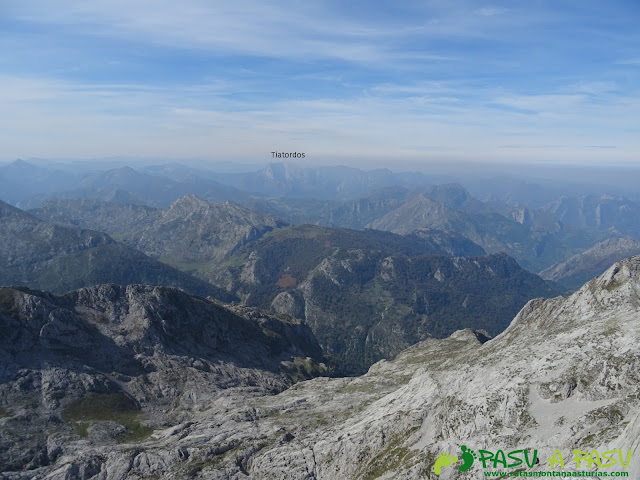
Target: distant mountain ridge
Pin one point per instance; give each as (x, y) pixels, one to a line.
(190, 231)
(581, 268)
(598, 212)
(20, 180)
(58, 258)
(30, 186)
(538, 235)
(320, 182)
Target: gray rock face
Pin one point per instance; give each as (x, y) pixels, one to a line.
(582, 267)
(493, 232)
(535, 238)
(109, 364)
(603, 212)
(563, 376)
(420, 212)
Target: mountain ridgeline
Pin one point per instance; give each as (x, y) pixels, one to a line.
(353, 287)
(531, 222)
(119, 359)
(59, 258)
(191, 231)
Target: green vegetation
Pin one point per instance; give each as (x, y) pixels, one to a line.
(370, 294)
(3, 412)
(236, 260)
(81, 429)
(7, 304)
(115, 407)
(308, 367)
(612, 285)
(391, 458)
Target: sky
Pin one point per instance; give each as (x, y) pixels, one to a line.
(548, 81)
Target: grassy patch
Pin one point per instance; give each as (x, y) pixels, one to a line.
(360, 387)
(81, 429)
(186, 266)
(236, 260)
(391, 458)
(116, 407)
(307, 368)
(4, 413)
(612, 285)
(7, 303)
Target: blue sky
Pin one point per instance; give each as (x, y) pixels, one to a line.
(365, 82)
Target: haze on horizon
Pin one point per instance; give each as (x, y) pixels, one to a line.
(461, 81)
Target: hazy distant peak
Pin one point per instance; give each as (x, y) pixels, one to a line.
(584, 266)
(452, 187)
(192, 204)
(190, 200)
(20, 164)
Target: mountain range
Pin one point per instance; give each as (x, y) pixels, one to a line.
(191, 231)
(189, 396)
(371, 334)
(369, 294)
(584, 266)
(534, 223)
(59, 258)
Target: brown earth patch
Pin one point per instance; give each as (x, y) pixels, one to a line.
(287, 281)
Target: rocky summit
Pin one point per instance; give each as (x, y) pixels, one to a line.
(562, 377)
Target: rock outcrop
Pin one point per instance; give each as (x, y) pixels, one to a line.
(191, 232)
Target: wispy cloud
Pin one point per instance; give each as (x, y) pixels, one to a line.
(491, 11)
(635, 62)
(239, 78)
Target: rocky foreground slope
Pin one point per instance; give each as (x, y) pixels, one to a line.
(564, 376)
(111, 364)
